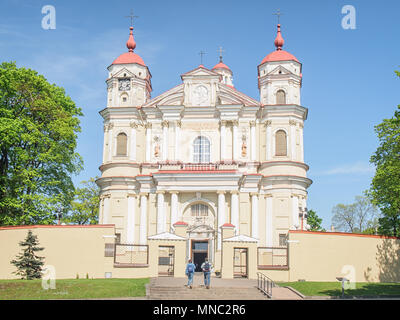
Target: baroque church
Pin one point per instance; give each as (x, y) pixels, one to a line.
(204, 157)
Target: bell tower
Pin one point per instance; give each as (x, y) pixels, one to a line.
(129, 79)
(279, 76)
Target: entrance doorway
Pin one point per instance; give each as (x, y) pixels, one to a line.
(199, 253)
(166, 261)
(240, 263)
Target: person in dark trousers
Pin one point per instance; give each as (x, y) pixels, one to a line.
(206, 267)
(190, 267)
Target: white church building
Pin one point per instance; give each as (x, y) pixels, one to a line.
(204, 156)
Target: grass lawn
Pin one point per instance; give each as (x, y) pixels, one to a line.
(72, 289)
(335, 288)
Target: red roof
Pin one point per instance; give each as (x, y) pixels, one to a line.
(221, 65)
(228, 225)
(279, 55)
(180, 223)
(129, 57)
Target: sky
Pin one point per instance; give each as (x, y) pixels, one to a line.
(349, 84)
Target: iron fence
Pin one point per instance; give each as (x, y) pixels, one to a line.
(131, 255)
(273, 257)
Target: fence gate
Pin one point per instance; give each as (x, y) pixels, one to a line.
(166, 260)
(240, 263)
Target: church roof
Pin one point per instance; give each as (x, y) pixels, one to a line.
(279, 54)
(221, 65)
(130, 56)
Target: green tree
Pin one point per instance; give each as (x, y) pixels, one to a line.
(29, 265)
(356, 217)
(85, 207)
(385, 186)
(314, 221)
(38, 131)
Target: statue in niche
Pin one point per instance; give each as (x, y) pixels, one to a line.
(156, 147)
(244, 146)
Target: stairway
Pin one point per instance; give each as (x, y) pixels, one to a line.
(164, 288)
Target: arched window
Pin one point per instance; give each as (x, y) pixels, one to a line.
(201, 150)
(280, 143)
(280, 97)
(122, 140)
(199, 210)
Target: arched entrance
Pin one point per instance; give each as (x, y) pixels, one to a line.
(200, 217)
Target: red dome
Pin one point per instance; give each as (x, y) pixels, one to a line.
(279, 55)
(129, 57)
(221, 65)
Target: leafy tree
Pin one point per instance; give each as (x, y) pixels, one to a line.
(85, 207)
(385, 186)
(38, 131)
(355, 217)
(29, 265)
(314, 221)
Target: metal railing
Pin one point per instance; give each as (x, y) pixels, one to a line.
(198, 166)
(273, 257)
(131, 255)
(265, 284)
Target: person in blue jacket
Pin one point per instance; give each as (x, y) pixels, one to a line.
(190, 267)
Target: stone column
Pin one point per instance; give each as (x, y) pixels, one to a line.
(143, 219)
(221, 215)
(293, 139)
(268, 221)
(301, 142)
(105, 143)
(160, 212)
(165, 140)
(254, 215)
(106, 209)
(295, 211)
(235, 143)
(148, 142)
(268, 141)
(223, 135)
(177, 133)
(110, 141)
(235, 211)
(174, 207)
(132, 153)
(130, 228)
(253, 141)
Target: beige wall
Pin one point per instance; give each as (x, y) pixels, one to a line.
(317, 256)
(71, 250)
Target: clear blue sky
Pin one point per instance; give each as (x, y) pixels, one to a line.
(349, 84)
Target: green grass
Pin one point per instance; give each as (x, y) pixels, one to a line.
(335, 288)
(72, 289)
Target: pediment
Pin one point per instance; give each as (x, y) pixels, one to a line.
(229, 95)
(279, 70)
(124, 73)
(172, 96)
(200, 72)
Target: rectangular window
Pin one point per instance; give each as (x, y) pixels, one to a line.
(282, 240)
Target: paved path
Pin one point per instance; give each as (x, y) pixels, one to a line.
(169, 288)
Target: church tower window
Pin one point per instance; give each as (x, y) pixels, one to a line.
(122, 140)
(201, 150)
(199, 210)
(280, 97)
(280, 143)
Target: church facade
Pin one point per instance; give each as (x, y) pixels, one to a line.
(203, 158)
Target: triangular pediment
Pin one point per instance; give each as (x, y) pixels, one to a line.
(279, 70)
(241, 238)
(123, 73)
(200, 72)
(170, 97)
(229, 95)
(165, 236)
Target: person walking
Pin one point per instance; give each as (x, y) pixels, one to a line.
(190, 267)
(206, 267)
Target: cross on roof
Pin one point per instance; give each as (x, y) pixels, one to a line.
(201, 53)
(278, 14)
(220, 50)
(131, 16)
